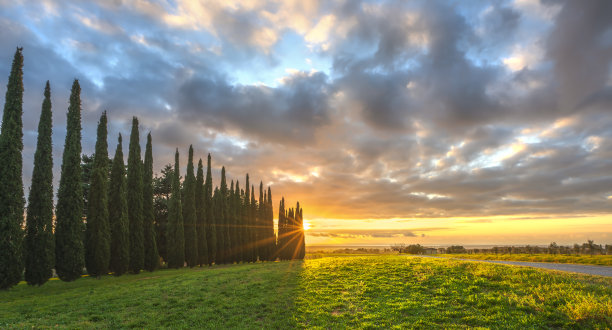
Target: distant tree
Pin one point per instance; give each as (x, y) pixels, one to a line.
(97, 233)
(39, 245)
(118, 214)
(151, 255)
(175, 230)
(460, 249)
(553, 248)
(189, 214)
(211, 229)
(200, 202)
(69, 250)
(11, 189)
(162, 190)
(134, 197)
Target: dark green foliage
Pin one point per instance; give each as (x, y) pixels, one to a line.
(300, 240)
(189, 214)
(39, 246)
(176, 236)
(282, 231)
(200, 201)
(11, 187)
(253, 225)
(151, 256)
(270, 226)
(162, 190)
(87, 162)
(69, 250)
(134, 198)
(97, 233)
(221, 221)
(235, 229)
(118, 215)
(211, 229)
(246, 216)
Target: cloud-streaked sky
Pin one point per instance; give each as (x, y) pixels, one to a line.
(390, 121)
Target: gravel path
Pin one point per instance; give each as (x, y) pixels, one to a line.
(573, 268)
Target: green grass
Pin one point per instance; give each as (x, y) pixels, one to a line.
(383, 291)
(602, 260)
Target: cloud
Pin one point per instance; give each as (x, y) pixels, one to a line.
(404, 110)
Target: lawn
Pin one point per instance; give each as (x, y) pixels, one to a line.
(602, 260)
(332, 292)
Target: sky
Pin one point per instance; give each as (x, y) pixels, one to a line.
(430, 122)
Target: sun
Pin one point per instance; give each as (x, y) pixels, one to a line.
(306, 224)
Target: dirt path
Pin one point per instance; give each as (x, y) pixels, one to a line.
(573, 268)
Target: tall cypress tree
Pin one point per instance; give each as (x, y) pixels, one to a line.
(302, 238)
(189, 214)
(216, 215)
(69, 250)
(282, 227)
(211, 229)
(246, 210)
(118, 214)
(261, 228)
(200, 200)
(39, 247)
(253, 222)
(175, 230)
(221, 221)
(97, 233)
(134, 196)
(236, 230)
(271, 233)
(11, 189)
(151, 260)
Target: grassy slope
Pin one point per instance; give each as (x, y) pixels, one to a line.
(366, 291)
(602, 260)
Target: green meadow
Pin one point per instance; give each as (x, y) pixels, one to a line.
(602, 260)
(382, 291)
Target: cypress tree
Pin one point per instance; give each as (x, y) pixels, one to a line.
(230, 222)
(176, 235)
(236, 230)
(216, 214)
(221, 221)
(253, 222)
(211, 229)
(69, 250)
(11, 189)
(97, 233)
(261, 228)
(189, 214)
(246, 210)
(118, 214)
(39, 254)
(302, 238)
(134, 197)
(162, 190)
(271, 233)
(151, 260)
(200, 200)
(282, 227)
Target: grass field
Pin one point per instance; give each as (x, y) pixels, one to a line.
(330, 292)
(602, 260)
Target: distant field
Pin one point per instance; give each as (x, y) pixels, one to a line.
(605, 260)
(329, 292)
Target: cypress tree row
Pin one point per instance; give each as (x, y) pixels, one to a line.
(134, 196)
(282, 228)
(175, 230)
(211, 229)
(38, 247)
(69, 250)
(11, 189)
(221, 221)
(230, 223)
(189, 214)
(301, 236)
(200, 201)
(97, 233)
(246, 223)
(151, 256)
(260, 232)
(118, 214)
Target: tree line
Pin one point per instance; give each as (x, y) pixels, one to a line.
(113, 217)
